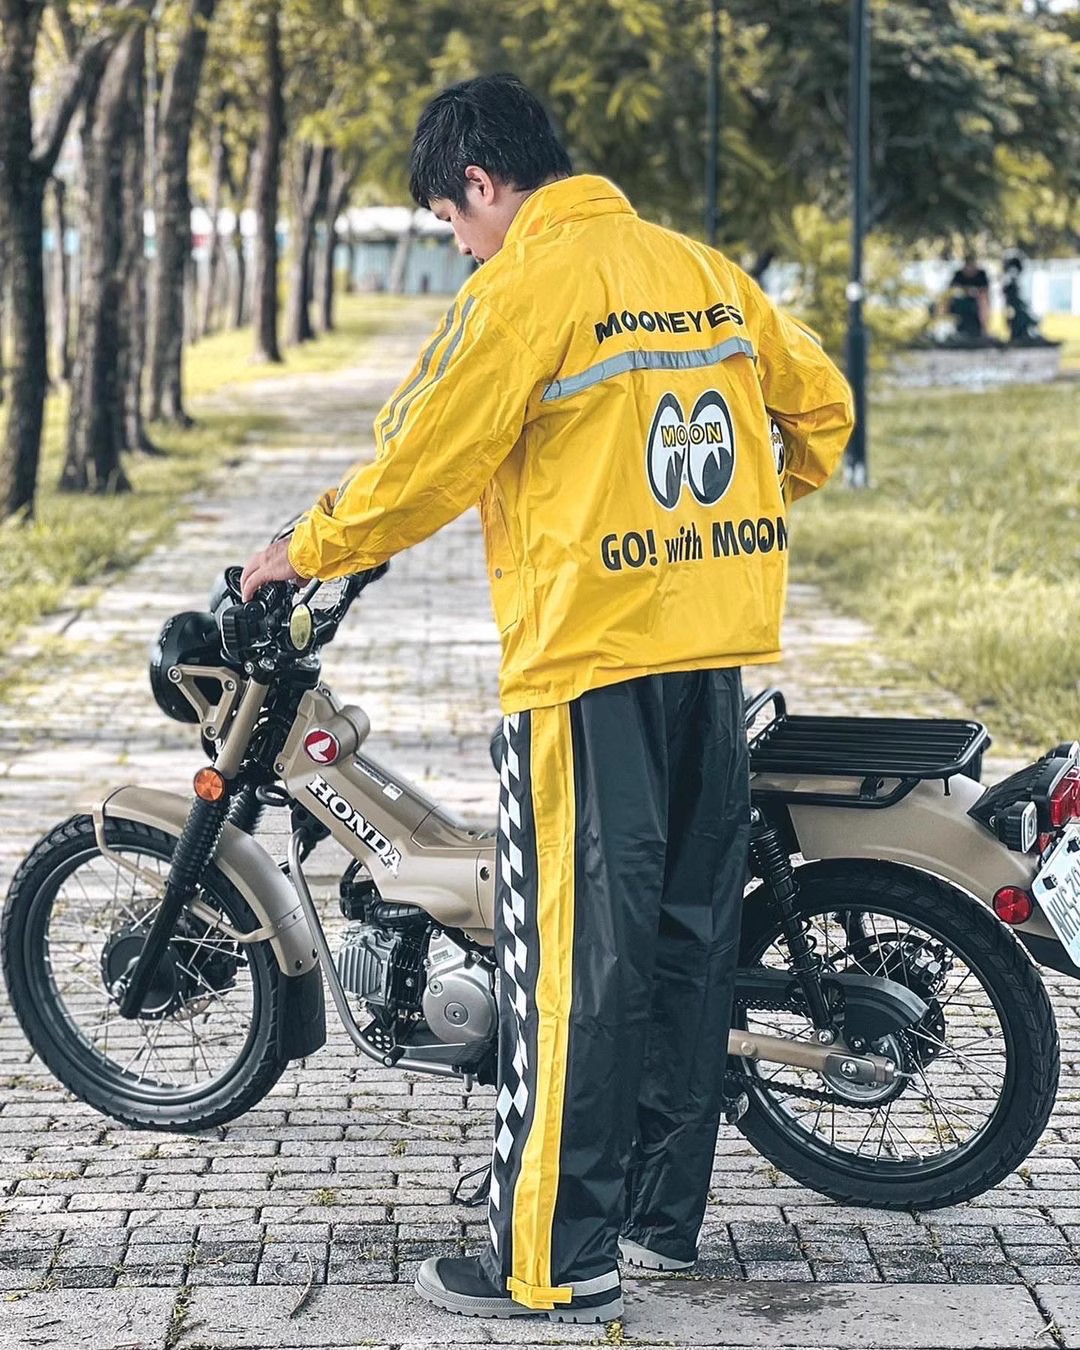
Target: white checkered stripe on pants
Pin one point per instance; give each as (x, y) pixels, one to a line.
(513, 1099)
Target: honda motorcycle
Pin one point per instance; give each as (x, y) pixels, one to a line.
(892, 1043)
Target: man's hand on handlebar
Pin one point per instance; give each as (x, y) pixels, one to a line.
(271, 564)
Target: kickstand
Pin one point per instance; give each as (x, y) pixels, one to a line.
(479, 1194)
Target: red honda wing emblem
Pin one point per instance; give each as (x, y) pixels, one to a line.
(320, 746)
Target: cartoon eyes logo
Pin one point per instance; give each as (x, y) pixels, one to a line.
(700, 452)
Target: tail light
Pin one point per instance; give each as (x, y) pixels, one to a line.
(1064, 800)
(1013, 905)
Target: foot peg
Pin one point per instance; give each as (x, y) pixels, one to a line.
(735, 1108)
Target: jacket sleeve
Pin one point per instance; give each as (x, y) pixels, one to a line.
(438, 442)
(805, 394)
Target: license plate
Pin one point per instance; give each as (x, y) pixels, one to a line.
(1057, 889)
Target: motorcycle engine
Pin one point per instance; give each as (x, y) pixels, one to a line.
(383, 967)
(386, 967)
(459, 997)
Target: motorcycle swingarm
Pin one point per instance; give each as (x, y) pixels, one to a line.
(872, 1007)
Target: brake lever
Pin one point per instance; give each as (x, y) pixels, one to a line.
(232, 581)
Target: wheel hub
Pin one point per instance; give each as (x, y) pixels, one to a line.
(873, 1094)
(187, 976)
(118, 961)
(922, 969)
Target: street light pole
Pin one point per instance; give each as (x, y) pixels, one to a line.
(712, 157)
(857, 471)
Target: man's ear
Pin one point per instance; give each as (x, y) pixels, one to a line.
(481, 183)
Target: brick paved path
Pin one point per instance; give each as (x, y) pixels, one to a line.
(339, 1182)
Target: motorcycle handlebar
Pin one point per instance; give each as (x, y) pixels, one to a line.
(250, 629)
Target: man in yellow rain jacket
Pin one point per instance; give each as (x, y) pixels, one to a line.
(634, 418)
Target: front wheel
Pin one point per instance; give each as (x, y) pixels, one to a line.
(206, 1046)
(977, 1076)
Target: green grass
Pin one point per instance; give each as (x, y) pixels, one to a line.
(965, 553)
(226, 357)
(76, 539)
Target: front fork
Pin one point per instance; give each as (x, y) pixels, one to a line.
(196, 847)
(194, 851)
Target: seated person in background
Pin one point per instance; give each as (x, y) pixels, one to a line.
(969, 300)
(1023, 325)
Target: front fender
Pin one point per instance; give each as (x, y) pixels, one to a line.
(271, 897)
(246, 864)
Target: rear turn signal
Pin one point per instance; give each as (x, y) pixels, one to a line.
(209, 785)
(1013, 905)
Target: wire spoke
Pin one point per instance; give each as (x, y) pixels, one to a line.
(921, 1117)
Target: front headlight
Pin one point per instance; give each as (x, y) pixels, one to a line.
(188, 639)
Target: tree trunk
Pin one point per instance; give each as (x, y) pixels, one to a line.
(172, 215)
(349, 286)
(239, 283)
(400, 262)
(238, 192)
(97, 419)
(191, 300)
(340, 187)
(133, 261)
(207, 316)
(61, 287)
(267, 186)
(3, 307)
(26, 163)
(762, 261)
(20, 226)
(308, 177)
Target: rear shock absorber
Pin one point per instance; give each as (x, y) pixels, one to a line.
(773, 865)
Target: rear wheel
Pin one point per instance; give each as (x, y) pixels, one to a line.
(977, 1077)
(206, 1046)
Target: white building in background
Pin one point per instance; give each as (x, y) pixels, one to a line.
(380, 241)
(385, 239)
(388, 238)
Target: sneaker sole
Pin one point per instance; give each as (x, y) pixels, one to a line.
(633, 1254)
(465, 1305)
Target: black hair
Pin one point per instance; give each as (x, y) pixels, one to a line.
(491, 121)
(1014, 263)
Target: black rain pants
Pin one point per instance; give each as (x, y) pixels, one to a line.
(623, 827)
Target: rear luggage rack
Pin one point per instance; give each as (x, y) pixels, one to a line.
(888, 755)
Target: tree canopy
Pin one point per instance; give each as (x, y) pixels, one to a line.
(299, 106)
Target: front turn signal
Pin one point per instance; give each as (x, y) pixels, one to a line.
(209, 785)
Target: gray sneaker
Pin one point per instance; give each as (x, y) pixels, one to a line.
(634, 1254)
(461, 1285)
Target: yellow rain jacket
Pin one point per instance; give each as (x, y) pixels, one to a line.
(633, 416)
